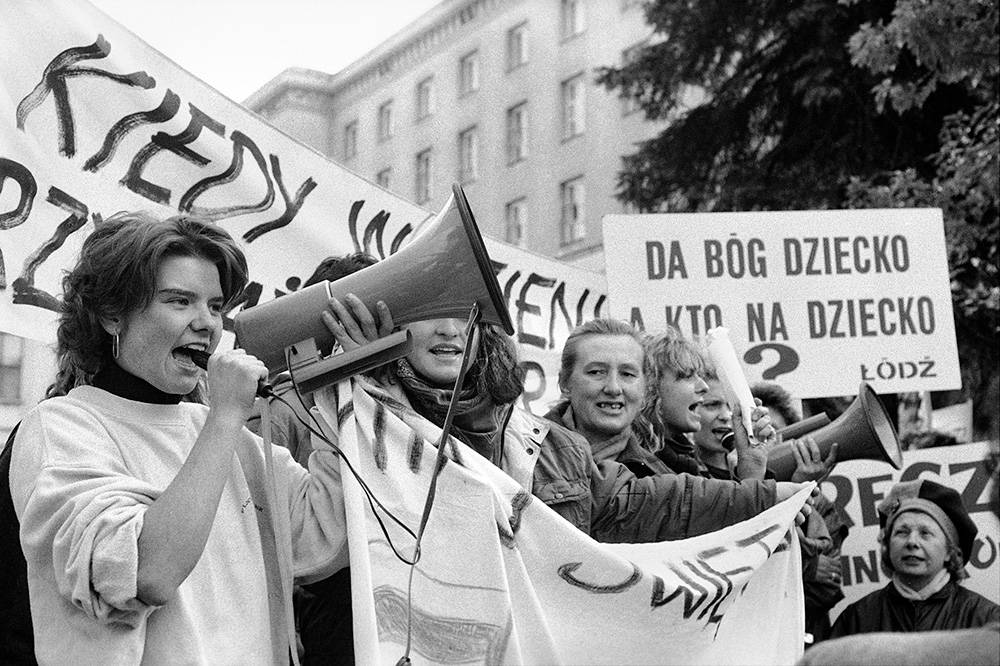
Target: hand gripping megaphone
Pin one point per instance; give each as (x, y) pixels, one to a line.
(439, 274)
(864, 430)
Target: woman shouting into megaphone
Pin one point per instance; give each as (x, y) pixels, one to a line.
(155, 527)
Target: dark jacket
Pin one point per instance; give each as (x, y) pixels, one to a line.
(626, 508)
(640, 461)
(952, 607)
(822, 535)
(17, 644)
(681, 456)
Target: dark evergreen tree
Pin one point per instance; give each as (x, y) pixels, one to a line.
(827, 103)
(925, 45)
(782, 117)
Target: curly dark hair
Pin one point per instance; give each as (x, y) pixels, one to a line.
(495, 370)
(334, 268)
(774, 396)
(115, 276)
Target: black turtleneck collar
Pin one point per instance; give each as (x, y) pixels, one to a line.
(113, 379)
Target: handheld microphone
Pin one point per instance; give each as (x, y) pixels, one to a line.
(200, 358)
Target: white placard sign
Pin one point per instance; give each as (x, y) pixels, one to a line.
(818, 301)
(547, 299)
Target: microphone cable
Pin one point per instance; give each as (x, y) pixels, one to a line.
(470, 334)
(373, 501)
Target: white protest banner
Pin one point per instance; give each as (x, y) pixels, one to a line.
(503, 579)
(857, 486)
(94, 121)
(547, 299)
(818, 301)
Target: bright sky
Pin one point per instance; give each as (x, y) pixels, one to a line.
(237, 46)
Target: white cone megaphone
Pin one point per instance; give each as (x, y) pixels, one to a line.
(439, 274)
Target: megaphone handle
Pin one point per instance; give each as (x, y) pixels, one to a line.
(335, 368)
(805, 426)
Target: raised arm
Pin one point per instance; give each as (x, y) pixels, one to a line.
(177, 524)
(670, 506)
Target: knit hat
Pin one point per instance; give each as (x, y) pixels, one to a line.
(941, 503)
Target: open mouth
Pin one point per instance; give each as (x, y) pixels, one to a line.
(725, 437)
(191, 356)
(611, 406)
(446, 351)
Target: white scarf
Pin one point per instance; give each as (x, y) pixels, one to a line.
(935, 585)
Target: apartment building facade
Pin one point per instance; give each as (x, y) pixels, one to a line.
(498, 95)
(27, 367)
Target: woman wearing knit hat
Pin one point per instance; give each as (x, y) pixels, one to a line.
(926, 538)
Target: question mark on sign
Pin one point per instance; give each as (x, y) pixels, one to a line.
(788, 359)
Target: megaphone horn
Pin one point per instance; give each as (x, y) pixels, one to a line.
(863, 431)
(439, 274)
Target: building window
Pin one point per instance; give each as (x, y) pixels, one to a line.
(517, 133)
(11, 353)
(422, 186)
(517, 46)
(385, 121)
(573, 110)
(425, 98)
(572, 18)
(571, 219)
(516, 217)
(468, 154)
(384, 178)
(468, 73)
(350, 139)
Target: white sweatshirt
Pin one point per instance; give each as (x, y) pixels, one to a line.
(85, 468)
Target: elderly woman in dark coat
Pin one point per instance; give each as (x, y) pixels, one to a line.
(926, 540)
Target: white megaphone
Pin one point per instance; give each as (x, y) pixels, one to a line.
(441, 273)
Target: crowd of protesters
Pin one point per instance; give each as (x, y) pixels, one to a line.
(127, 489)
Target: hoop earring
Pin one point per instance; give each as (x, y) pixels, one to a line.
(114, 346)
